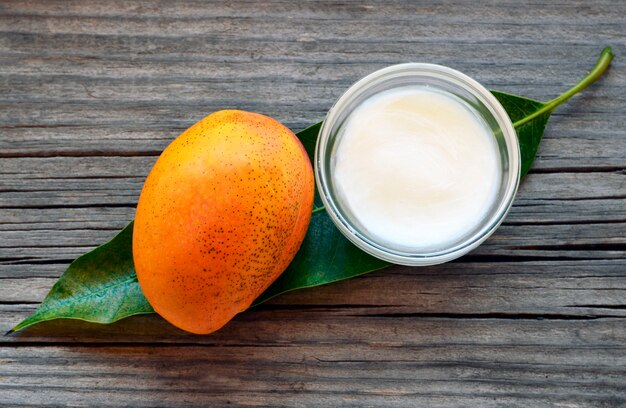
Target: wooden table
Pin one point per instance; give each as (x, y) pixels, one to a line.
(91, 92)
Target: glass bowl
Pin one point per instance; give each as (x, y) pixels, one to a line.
(441, 79)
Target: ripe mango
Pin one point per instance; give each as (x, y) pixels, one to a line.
(221, 215)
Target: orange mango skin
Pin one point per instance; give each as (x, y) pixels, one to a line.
(221, 215)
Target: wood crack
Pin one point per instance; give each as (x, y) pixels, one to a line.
(62, 206)
(80, 153)
(491, 316)
(614, 307)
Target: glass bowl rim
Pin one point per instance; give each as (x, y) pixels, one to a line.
(490, 224)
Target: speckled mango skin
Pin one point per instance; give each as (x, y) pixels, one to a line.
(221, 215)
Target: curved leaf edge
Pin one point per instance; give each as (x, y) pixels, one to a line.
(43, 308)
(255, 303)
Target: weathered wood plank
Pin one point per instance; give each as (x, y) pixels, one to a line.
(67, 218)
(385, 362)
(507, 12)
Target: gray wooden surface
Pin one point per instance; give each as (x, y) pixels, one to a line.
(92, 91)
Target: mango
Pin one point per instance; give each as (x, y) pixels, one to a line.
(221, 215)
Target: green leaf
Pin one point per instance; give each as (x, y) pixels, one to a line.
(529, 134)
(101, 286)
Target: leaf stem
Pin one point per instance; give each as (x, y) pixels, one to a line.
(318, 209)
(603, 62)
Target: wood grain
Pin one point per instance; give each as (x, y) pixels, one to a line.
(91, 93)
